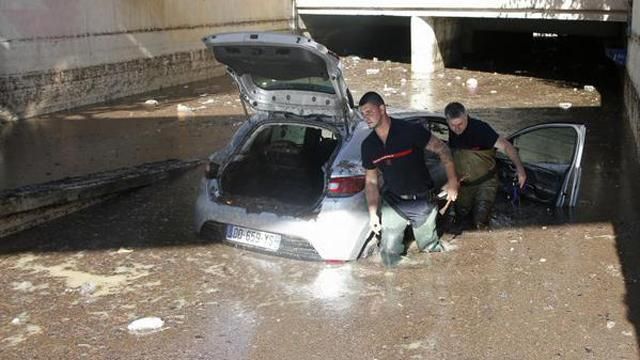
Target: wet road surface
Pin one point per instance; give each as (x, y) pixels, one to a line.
(541, 284)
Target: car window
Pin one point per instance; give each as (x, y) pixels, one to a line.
(298, 134)
(294, 134)
(318, 84)
(554, 145)
(440, 130)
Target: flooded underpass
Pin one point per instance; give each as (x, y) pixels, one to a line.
(543, 283)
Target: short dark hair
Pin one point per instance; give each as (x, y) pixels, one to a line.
(371, 97)
(454, 110)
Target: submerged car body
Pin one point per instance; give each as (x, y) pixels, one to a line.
(290, 181)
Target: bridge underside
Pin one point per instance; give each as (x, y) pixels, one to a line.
(430, 43)
(531, 14)
(577, 10)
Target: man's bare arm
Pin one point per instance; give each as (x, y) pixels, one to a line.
(505, 146)
(372, 193)
(437, 146)
(372, 190)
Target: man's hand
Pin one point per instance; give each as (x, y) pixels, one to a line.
(522, 177)
(374, 223)
(436, 145)
(505, 146)
(452, 188)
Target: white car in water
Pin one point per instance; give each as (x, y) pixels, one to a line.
(290, 182)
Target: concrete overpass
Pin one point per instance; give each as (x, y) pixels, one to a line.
(441, 29)
(586, 10)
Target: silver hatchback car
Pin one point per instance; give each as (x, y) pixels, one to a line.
(290, 182)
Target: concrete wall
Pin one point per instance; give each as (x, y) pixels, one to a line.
(632, 81)
(60, 54)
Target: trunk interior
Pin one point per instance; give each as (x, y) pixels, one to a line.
(280, 169)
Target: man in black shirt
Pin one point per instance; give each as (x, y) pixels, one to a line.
(474, 145)
(396, 148)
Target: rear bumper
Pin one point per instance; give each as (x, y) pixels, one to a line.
(337, 232)
(290, 247)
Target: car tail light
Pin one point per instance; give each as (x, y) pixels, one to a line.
(335, 262)
(345, 186)
(211, 170)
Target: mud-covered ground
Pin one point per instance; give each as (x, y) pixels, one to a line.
(541, 285)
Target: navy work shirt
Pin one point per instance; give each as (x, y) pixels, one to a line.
(477, 136)
(401, 159)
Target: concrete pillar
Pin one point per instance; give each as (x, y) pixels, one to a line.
(425, 55)
(435, 43)
(632, 81)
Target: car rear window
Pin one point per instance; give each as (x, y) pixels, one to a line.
(317, 84)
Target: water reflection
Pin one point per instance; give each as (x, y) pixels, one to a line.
(421, 96)
(332, 283)
(238, 326)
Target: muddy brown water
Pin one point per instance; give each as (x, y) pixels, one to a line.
(542, 284)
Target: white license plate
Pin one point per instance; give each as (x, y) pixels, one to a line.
(253, 237)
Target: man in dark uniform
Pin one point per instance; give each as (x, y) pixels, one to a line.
(474, 145)
(396, 148)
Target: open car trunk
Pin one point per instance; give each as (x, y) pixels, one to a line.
(280, 168)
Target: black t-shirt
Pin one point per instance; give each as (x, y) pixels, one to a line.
(477, 136)
(401, 159)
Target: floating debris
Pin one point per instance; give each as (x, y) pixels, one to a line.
(372, 71)
(589, 88)
(565, 105)
(389, 89)
(472, 83)
(151, 102)
(610, 324)
(87, 288)
(20, 319)
(145, 325)
(184, 108)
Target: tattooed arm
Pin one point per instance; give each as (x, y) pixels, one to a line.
(436, 145)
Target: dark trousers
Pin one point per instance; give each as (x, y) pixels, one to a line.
(477, 201)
